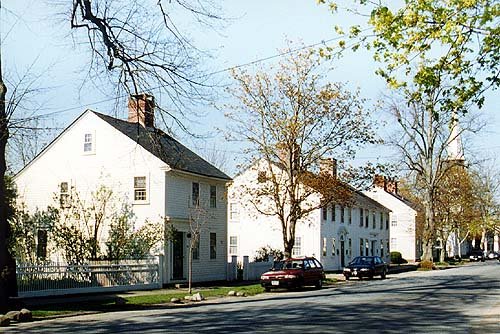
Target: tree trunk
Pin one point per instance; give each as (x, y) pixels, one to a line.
(428, 233)
(4, 252)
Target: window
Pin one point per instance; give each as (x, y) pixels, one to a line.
(381, 220)
(373, 247)
(333, 247)
(213, 246)
(41, 245)
(349, 214)
(88, 143)
(381, 248)
(140, 193)
(234, 213)
(394, 223)
(360, 217)
(386, 221)
(64, 194)
(367, 246)
(394, 244)
(325, 212)
(333, 213)
(297, 247)
(350, 247)
(195, 194)
(324, 246)
(374, 220)
(367, 218)
(233, 245)
(213, 196)
(361, 246)
(342, 214)
(196, 248)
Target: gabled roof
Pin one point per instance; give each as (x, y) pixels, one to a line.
(165, 148)
(404, 200)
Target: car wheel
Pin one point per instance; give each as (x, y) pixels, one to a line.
(383, 275)
(347, 277)
(370, 277)
(267, 289)
(319, 284)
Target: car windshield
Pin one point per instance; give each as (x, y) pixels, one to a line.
(293, 264)
(362, 260)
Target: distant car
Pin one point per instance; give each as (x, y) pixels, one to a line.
(477, 255)
(493, 255)
(366, 266)
(294, 273)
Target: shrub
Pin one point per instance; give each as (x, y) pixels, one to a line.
(263, 253)
(426, 265)
(397, 258)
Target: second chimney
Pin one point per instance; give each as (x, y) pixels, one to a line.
(328, 166)
(141, 110)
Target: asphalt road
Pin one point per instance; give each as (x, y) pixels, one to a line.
(460, 300)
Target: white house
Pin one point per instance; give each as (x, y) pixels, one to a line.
(333, 234)
(402, 216)
(162, 179)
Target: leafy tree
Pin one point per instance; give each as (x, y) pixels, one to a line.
(427, 45)
(292, 121)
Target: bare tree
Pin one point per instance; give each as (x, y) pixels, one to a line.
(423, 138)
(198, 220)
(292, 121)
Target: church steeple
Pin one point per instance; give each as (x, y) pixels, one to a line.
(454, 149)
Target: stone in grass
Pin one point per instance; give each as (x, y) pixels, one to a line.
(25, 315)
(231, 293)
(175, 300)
(241, 294)
(188, 298)
(13, 315)
(197, 297)
(4, 321)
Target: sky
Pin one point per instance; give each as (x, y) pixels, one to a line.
(34, 34)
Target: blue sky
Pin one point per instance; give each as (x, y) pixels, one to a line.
(32, 30)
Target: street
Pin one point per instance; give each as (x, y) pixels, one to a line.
(458, 300)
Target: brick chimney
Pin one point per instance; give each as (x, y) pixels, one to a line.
(328, 166)
(392, 186)
(141, 109)
(388, 184)
(379, 181)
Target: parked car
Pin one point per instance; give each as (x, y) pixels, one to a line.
(493, 255)
(294, 273)
(477, 255)
(366, 266)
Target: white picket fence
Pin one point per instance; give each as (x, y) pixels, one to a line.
(50, 279)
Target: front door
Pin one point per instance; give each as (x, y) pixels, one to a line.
(342, 253)
(178, 256)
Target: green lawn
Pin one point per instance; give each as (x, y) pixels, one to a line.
(140, 301)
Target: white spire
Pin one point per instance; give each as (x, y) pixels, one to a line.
(455, 149)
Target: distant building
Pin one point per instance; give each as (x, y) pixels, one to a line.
(402, 216)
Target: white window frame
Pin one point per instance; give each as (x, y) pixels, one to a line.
(195, 201)
(145, 189)
(213, 200)
(233, 245)
(64, 194)
(297, 247)
(89, 141)
(234, 211)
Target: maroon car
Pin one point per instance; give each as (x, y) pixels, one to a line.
(293, 273)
